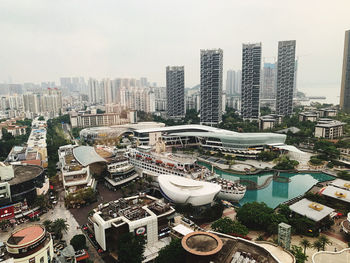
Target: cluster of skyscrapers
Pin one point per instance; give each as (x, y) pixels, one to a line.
(246, 89)
(47, 103)
(279, 81)
(130, 94)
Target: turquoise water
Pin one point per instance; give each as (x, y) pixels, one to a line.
(276, 192)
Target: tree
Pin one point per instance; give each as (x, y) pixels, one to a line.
(230, 163)
(317, 244)
(172, 253)
(4, 223)
(255, 215)
(267, 156)
(298, 253)
(41, 118)
(227, 226)
(58, 226)
(48, 225)
(78, 242)
(344, 175)
(284, 163)
(327, 148)
(324, 241)
(40, 201)
(305, 244)
(130, 248)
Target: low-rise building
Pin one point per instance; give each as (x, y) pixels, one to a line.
(312, 210)
(308, 116)
(327, 112)
(329, 129)
(84, 119)
(30, 244)
(16, 130)
(270, 121)
(75, 163)
(20, 182)
(141, 214)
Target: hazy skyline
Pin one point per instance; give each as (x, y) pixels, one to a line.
(44, 40)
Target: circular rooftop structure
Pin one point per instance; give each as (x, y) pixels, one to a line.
(26, 236)
(201, 243)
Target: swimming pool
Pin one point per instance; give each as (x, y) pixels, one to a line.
(275, 193)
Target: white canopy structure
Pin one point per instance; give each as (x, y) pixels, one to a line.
(187, 191)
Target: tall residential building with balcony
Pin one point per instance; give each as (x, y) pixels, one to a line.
(345, 81)
(211, 86)
(285, 77)
(251, 61)
(175, 91)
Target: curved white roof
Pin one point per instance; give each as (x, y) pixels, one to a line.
(187, 191)
(86, 155)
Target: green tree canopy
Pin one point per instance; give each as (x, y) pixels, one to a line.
(255, 215)
(58, 226)
(130, 248)
(227, 226)
(298, 253)
(78, 242)
(172, 253)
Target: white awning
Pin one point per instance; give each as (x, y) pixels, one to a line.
(289, 148)
(183, 230)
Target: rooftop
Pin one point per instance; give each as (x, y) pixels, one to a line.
(227, 249)
(341, 183)
(132, 208)
(24, 173)
(26, 235)
(311, 210)
(329, 124)
(201, 243)
(337, 193)
(86, 155)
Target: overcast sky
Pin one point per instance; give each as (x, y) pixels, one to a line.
(43, 40)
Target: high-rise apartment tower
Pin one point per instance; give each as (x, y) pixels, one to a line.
(211, 86)
(251, 61)
(285, 77)
(175, 91)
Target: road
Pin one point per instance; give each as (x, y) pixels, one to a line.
(60, 212)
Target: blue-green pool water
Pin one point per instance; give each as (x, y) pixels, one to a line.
(275, 193)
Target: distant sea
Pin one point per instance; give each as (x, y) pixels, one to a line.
(330, 91)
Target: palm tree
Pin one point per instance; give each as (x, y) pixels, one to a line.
(317, 245)
(60, 225)
(305, 244)
(48, 225)
(230, 163)
(324, 241)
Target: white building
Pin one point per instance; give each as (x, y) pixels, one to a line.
(142, 215)
(187, 191)
(30, 244)
(75, 164)
(329, 129)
